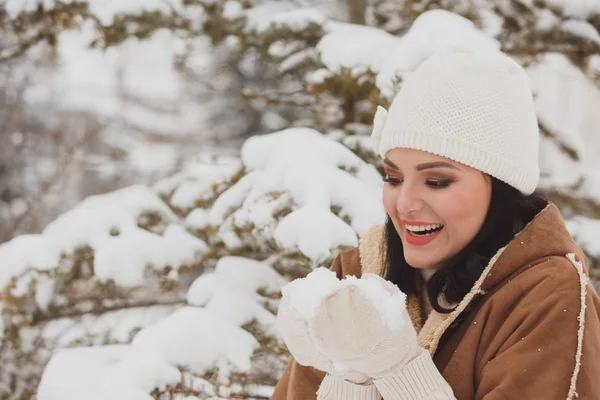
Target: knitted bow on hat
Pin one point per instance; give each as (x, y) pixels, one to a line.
(378, 124)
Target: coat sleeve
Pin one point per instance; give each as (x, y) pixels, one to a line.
(298, 383)
(553, 349)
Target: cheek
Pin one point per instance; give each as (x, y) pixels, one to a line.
(389, 201)
(457, 207)
(466, 209)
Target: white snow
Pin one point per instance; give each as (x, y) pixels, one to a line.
(195, 180)
(230, 291)
(586, 232)
(104, 10)
(388, 304)
(546, 20)
(153, 159)
(556, 168)
(198, 218)
(131, 84)
(594, 64)
(582, 29)
(231, 199)
(351, 46)
(108, 224)
(301, 170)
(282, 48)
(315, 232)
(269, 16)
(312, 170)
(188, 193)
(305, 295)
(40, 283)
(26, 252)
(576, 8)
(566, 105)
(119, 372)
(491, 23)
(360, 142)
(590, 184)
(566, 102)
(318, 76)
(97, 215)
(198, 339)
(116, 326)
(346, 46)
(233, 10)
(296, 59)
(124, 258)
(194, 338)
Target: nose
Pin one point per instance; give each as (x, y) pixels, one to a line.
(409, 201)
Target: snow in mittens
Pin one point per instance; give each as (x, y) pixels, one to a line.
(305, 295)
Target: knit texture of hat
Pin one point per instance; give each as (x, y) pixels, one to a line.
(473, 108)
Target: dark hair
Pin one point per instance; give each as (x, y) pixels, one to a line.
(508, 213)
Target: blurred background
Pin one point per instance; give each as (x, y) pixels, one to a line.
(150, 150)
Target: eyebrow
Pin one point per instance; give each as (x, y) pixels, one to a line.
(424, 166)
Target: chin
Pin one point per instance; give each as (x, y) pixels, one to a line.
(421, 263)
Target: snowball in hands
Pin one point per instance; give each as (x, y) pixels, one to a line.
(297, 305)
(348, 325)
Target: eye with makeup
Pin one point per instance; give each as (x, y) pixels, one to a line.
(437, 184)
(392, 181)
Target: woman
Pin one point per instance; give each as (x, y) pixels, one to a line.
(497, 291)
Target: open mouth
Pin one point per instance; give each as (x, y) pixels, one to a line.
(425, 232)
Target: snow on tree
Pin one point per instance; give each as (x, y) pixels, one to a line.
(295, 198)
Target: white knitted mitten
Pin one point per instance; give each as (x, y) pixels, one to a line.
(294, 330)
(364, 326)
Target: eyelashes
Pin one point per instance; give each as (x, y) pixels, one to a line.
(433, 184)
(392, 181)
(439, 184)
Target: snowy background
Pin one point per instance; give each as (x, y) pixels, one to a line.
(166, 166)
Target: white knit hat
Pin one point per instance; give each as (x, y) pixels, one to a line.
(473, 108)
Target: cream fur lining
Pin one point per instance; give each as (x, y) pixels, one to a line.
(372, 261)
(437, 323)
(370, 251)
(583, 280)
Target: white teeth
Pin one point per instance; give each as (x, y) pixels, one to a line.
(419, 228)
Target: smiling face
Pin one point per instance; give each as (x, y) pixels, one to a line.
(437, 205)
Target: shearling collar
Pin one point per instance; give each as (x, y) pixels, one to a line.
(545, 236)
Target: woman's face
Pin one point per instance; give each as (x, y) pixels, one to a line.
(437, 205)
